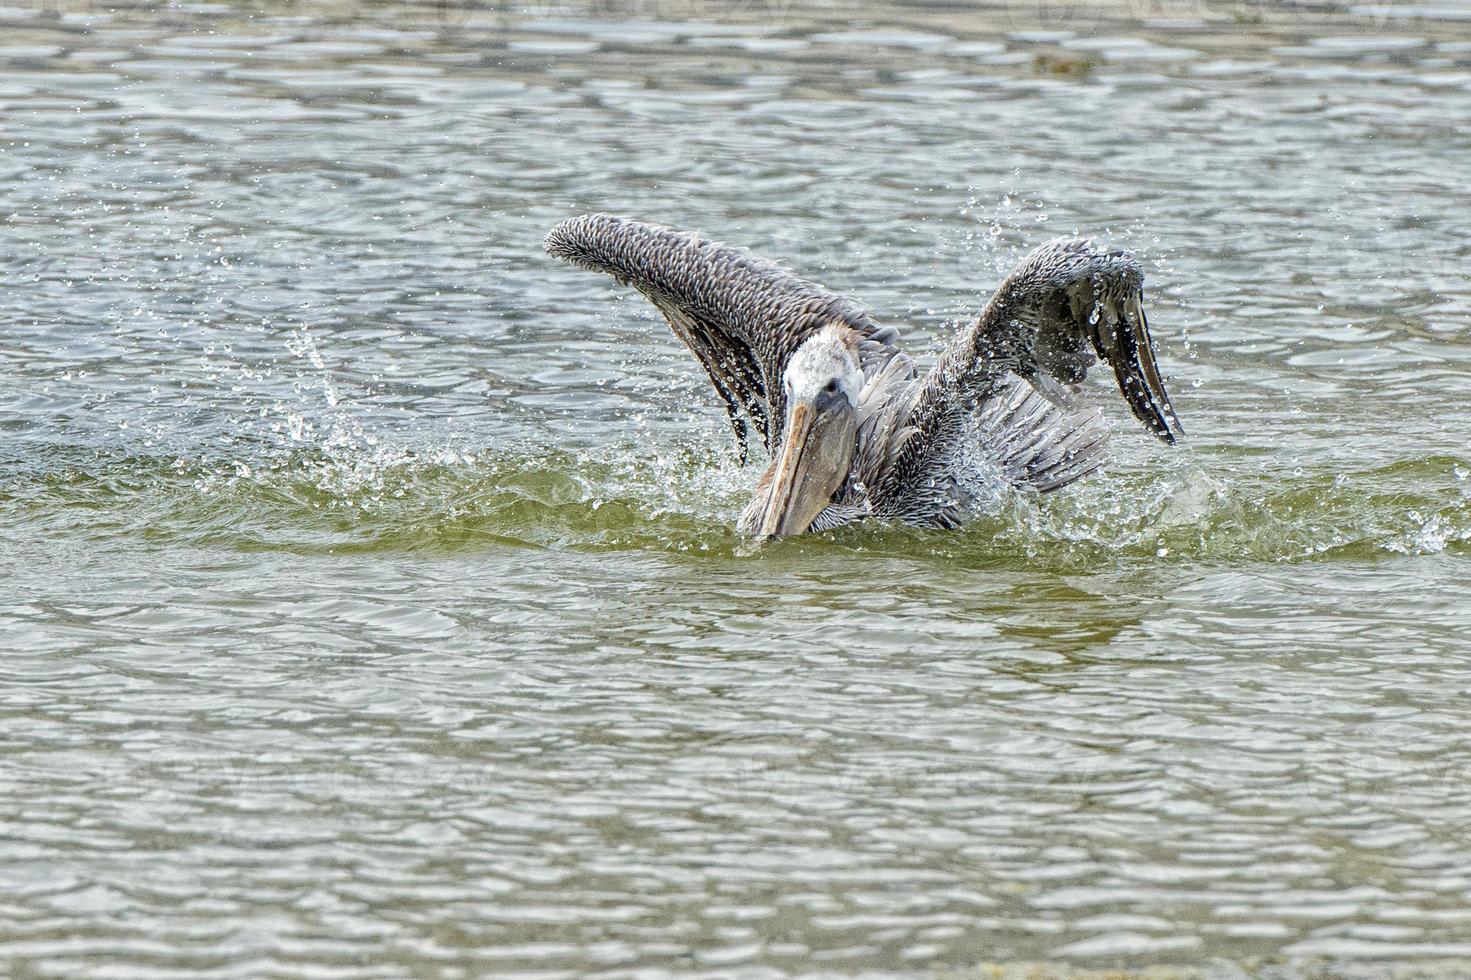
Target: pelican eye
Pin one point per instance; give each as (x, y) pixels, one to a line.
(832, 387)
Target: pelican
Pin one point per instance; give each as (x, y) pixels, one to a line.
(855, 430)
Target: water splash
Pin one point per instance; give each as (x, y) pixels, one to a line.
(336, 497)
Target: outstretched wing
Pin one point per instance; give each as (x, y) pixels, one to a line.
(740, 315)
(1069, 303)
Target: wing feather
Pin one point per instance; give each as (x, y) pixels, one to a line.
(1069, 303)
(741, 316)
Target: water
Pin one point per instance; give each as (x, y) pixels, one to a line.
(373, 606)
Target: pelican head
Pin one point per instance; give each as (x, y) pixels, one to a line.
(822, 381)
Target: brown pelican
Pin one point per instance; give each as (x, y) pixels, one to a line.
(854, 428)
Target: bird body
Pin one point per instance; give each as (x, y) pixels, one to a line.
(855, 429)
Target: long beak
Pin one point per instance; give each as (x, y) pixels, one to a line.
(814, 461)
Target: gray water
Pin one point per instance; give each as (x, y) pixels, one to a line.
(372, 604)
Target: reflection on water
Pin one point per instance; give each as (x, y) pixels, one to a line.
(375, 607)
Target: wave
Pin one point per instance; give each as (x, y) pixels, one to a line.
(357, 499)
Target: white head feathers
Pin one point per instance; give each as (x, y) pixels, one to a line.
(828, 357)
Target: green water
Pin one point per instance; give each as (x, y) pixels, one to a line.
(373, 602)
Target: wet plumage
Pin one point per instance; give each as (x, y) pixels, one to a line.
(912, 446)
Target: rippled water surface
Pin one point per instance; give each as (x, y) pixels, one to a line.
(372, 604)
